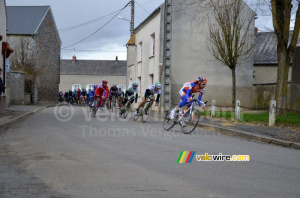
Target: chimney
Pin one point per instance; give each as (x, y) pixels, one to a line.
(255, 31)
(74, 59)
(116, 58)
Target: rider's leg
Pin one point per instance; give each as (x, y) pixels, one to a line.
(181, 104)
(141, 104)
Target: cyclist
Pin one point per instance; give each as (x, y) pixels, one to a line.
(154, 89)
(70, 95)
(187, 90)
(130, 94)
(67, 96)
(78, 93)
(102, 91)
(91, 95)
(83, 95)
(113, 92)
(120, 97)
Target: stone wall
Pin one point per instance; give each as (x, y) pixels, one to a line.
(17, 85)
(295, 86)
(47, 61)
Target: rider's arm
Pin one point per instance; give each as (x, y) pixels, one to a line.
(136, 97)
(148, 92)
(199, 98)
(157, 98)
(126, 93)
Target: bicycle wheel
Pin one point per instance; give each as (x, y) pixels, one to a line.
(94, 111)
(137, 117)
(146, 113)
(190, 122)
(168, 123)
(128, 108)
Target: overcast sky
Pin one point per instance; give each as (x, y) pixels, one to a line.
(110, 41)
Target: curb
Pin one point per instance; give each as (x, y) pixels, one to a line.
(12, 121)
(253, 137)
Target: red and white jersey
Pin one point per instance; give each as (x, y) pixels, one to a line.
(102, 91)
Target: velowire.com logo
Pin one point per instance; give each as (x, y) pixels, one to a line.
(187, 157)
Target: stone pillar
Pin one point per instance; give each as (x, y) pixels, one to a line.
(237, 110)
(272, 113)
(213, 108)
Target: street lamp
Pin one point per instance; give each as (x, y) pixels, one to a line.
(123, 18)
(119, 17)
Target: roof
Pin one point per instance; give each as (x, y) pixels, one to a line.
(148, 18)
(93, 67)
(265, 51)
(131, 40)
(25, 20)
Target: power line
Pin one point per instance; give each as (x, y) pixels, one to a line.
(99, 28)
(63, 30)
(90, 50)
(142, 7)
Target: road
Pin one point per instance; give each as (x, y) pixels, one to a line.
(43, 156)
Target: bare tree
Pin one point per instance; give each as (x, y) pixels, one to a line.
(229, 33)
(282, 15)
(286, 23)
(22, 62)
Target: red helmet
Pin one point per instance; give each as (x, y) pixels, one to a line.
(104, 81)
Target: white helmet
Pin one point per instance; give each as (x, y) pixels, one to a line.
(135, 84)
(157, 85)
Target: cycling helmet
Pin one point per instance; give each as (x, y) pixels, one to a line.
(202, 79)
(95, 86)
(115, 84)
(135, 84)
(104, 81)
(157, 85)
(83, 88)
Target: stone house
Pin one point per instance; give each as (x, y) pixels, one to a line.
(265, 69)
(32, 31)
(6, 50)
(85, 73)
(164, 48)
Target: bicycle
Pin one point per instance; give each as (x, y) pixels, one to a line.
(126, 109)
(95, 107)
(112, 102)
(83, 101)
(146, 110)
(191, 114)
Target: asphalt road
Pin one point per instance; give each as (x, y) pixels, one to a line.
(43, 156)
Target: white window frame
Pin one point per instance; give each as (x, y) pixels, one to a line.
(75, 86)
(139, 81)
(151, 79)
(89, 86)
(152, 44)
(140, 51)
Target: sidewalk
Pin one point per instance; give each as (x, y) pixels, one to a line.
(14, 113)
(284, 136)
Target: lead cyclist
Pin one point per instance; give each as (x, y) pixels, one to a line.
(197, 86)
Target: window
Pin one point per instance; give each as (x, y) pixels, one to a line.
(140, 51)
(150, 82)
(76, 86)
(139, 80)
(152, 44)
(89, 86)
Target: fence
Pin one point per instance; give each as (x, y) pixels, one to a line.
(272, 110)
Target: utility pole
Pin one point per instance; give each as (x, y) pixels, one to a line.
(132, 18)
